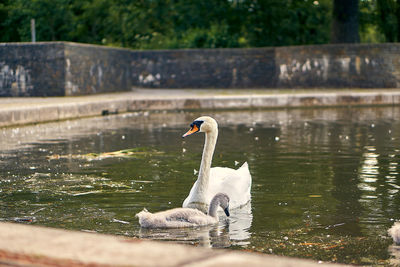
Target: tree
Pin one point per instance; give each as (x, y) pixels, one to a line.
(276, 22)
(397, 10)
(153, 24)
(387, 20)
(345, 22)
(6, 33)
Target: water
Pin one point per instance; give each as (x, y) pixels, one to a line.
(325, 181)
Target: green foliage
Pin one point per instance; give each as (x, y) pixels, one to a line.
(369, 29)
(5, 33)
(388, 13)
(276, 22)
(53, 20)
(157, 24)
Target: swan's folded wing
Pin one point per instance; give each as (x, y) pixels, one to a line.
(235, 183)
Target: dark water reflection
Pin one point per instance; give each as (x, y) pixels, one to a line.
(325, 181)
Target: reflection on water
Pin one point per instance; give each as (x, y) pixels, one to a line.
(369, 172)
(395, 253)
(216, 236)
(325, 181)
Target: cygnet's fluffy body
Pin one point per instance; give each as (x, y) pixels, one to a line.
(184, 217)
(174, 218)
(394, 232)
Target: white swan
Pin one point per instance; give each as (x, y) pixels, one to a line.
(235, 183)
(394, 232)
(184, 217)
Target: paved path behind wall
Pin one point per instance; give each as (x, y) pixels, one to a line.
(16, 111)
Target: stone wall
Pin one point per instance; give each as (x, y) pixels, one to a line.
(31, 70)
(338, 66)
(97, 69)
(62, 68)
(205, 68)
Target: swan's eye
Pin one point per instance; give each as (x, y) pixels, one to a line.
(194, 128)
(197, 123)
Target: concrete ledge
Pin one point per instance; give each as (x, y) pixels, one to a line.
(17, 111)
(39, 246)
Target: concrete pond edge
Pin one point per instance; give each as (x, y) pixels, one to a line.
(21, 111)
(28, 245)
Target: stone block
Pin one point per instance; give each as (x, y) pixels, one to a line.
(338, 66)
(28, 69)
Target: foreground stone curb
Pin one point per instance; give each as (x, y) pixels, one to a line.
(17, 111)
(27, 245)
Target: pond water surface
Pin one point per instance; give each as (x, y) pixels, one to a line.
(325, 181)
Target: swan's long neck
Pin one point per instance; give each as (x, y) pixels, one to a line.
(205, 166)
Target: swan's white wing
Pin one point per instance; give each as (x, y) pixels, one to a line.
(235, 183)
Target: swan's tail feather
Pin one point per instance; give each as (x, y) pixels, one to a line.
(246, 172)
(244, 165)
(244, 168)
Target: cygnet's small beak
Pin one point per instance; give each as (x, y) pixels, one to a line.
(192, 130)
(226, 210)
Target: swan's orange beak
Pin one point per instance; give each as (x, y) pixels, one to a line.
(193, 130)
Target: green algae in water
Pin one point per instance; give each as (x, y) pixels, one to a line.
(313, 244)
(125, 153)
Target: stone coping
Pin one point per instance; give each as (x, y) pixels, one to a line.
(28, 245)
(18, 111)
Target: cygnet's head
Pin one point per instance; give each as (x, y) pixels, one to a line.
(221, 200)
(143, 213)
(202, 124)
